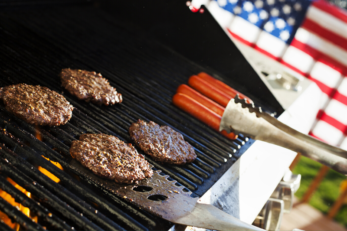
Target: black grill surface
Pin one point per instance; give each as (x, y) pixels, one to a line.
(35, 44)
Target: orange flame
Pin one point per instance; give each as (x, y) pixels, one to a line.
(43, 170)
(54, 163)
(38, 133)
(49, 174)
(12, 201)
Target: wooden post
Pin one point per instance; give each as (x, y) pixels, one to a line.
(315, 183)
(342, 198)
(295, 162)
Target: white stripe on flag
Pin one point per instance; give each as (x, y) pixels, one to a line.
(343, 87)
(314, 123)
(321, 45)
(324, 100)
(244, 29)
(325, 74)
(298, 59)
(292, 72)
(271, 44)
(327, 133)
(343, 145)
(327, 21)
(337, 110)
(223, 17)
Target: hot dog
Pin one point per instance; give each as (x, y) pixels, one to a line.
(209, 91)
(222, 86)
(215, 107)
(200, 112)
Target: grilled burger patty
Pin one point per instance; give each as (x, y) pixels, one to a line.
(89, 86)
(36, 105)
(162, 143)
(109, 157)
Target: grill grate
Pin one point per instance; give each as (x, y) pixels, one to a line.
(145, 72)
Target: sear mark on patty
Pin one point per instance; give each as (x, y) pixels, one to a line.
(36, 104)
(109, 157)
(162, 143)
(89, 86)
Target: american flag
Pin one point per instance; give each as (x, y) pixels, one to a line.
(309, 37)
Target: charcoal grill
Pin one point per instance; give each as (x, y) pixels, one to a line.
(38, 39)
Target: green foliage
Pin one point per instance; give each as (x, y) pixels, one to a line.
(327, 192)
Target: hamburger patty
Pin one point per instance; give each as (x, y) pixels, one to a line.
(162, 143)
(109, 157)
(36, 105)
(89, 86)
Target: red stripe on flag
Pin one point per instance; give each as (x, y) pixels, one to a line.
(305, 48)
(253, 45)
(324, 88)
(340, 97)
(332, 121)
(320, 56)
(319, 114)
(325, 33)
(331, 9)
(240, 39)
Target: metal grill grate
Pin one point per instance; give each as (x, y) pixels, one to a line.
(35, 46)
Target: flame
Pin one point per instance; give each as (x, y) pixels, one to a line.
(49, 174)
(53, 162)
(43, 170)
(12, 201)
(38, 133)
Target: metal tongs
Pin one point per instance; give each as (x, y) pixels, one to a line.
(242, 117)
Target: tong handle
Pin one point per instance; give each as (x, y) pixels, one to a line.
(209, 217)
(240, 120)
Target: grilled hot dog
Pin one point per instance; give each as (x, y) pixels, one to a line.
(200, 112)
(213, 106)
(216, 89)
